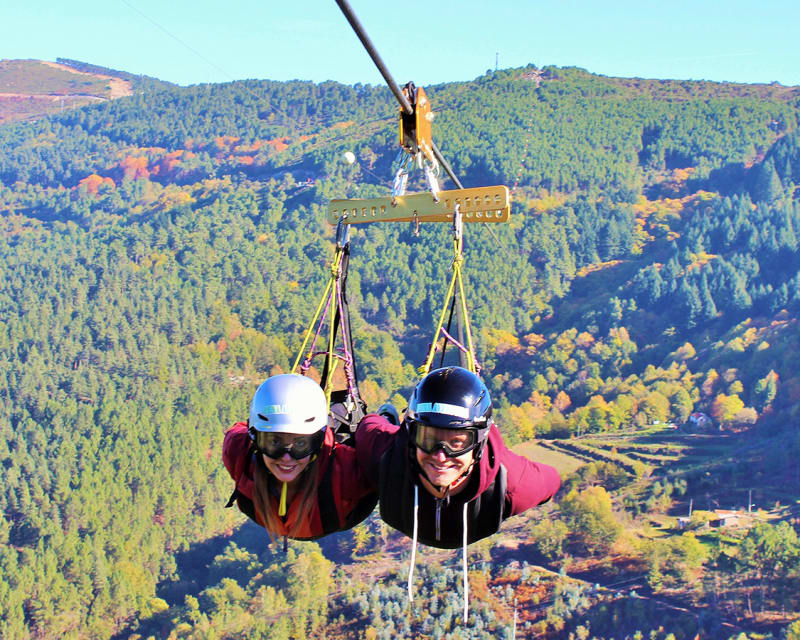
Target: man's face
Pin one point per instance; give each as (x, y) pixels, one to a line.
(440, 469)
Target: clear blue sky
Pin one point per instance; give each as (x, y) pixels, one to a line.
(189, 42)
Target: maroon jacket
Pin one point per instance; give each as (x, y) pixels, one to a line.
(501, 485)
(344, 498)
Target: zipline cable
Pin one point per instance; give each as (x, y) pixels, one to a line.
(355, 23)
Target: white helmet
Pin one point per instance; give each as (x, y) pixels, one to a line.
(289, 403)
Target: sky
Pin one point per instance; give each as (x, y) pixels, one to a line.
(196, 41)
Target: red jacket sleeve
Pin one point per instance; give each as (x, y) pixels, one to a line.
(528, 483)
(236, 458)
(374, 435)
(350, 484)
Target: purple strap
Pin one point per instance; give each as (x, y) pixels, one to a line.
(462, 348)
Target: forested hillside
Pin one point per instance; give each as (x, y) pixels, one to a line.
(163, 252)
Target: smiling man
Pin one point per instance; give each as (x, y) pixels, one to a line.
(444, 476)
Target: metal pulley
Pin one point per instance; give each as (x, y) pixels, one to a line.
(415, 127)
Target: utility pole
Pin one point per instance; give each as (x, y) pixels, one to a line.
(496, 60)
(691, 502)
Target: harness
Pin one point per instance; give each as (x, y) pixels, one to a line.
(397, 478)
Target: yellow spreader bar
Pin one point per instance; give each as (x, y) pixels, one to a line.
(477, 204)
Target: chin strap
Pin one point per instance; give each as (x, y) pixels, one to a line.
(464, 565)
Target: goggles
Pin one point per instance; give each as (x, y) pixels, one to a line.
(454, 442)
(274, 445)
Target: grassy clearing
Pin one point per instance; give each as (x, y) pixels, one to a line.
(565, 463)
(33, 77)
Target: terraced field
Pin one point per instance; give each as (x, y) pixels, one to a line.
(724, 470)
(653, 451)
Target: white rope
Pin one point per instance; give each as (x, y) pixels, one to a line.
(464, 567)
(413, 544)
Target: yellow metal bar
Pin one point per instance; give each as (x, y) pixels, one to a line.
(477, 204)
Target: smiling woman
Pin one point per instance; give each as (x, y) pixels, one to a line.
(291, 475)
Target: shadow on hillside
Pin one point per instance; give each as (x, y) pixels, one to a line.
(585, 291)
(195, 570)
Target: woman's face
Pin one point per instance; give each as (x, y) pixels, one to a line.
(286, 468)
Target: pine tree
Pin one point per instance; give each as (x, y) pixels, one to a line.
(709, 308)
(767, 183)
(688, 304)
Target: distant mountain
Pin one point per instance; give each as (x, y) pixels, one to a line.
(34, 88)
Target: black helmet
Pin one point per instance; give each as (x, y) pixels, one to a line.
(451, 398)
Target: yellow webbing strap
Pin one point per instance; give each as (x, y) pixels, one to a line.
(282, 505)
(328, 295)
(457, 278)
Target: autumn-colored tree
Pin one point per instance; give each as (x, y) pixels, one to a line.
(725, 408)
(225, 142)
(134, 167)
(685, 352)
(765, 390)
(654, 407)
(584, 340)
(524, 419)
(562, 401)
(501, 341)
(597, 417)
(709, 383)
(93, 182)
(540, 401)
(533, 341)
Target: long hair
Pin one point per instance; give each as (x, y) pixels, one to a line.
(266, 486)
